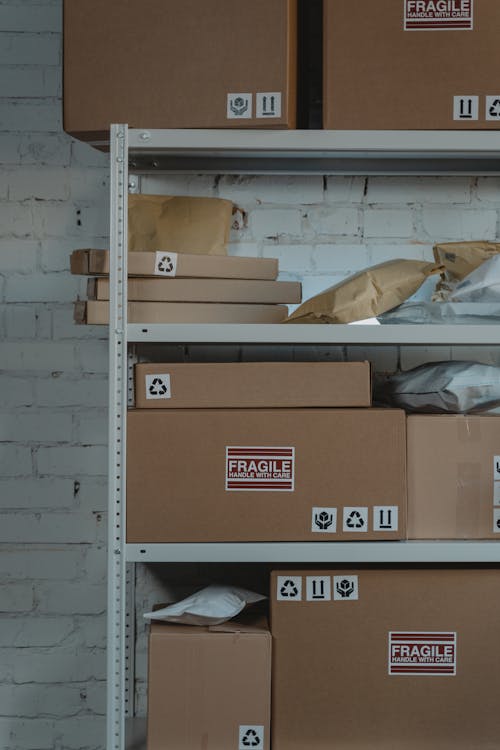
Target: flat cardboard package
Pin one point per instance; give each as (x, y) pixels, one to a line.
(96, 312)
(203, 290)
(453, 477)
(180, 265)
(222, 475)
(179, 64)
(209, 687)
(411, 64)
(252, 385)
(404, 659)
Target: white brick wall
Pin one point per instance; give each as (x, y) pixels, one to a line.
(53, 386)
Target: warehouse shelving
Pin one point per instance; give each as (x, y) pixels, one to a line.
(259, 152)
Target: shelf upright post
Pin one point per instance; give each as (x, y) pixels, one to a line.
(117, 698)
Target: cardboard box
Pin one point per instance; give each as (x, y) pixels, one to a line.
(209, 687)
(97, 313)
(96, 263)
(179, 64)
(252, 385)
(222, 475)
(385, 659)
(453, 477)
(203, 290)
(411, 64)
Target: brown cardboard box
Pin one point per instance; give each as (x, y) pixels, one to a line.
(96, 263)
(209, 687)
(179, 64)
(203, 290)
(96, 312)
(252, 385)
(453, 477)
(222, 475)
(404, 659)
(379, 75)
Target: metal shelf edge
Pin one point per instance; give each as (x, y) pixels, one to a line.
(264, 333)
(321, 552)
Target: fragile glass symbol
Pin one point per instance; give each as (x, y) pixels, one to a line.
(251, 738)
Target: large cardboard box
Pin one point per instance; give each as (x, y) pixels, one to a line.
(453, 477)
(170, 265)
(96, 312)
(179, 64)
(209, 687)
(383, 659)
(222, 475)
(252, 385)
(411, 64)
(203, 290)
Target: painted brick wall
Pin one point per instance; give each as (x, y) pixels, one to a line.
(53, 197)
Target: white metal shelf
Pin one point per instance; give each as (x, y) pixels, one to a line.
(363, 152)
(268, 333)
(319, 552)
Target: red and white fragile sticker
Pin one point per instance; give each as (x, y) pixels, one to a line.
(260, 469)
(438, 15)
(428, 654)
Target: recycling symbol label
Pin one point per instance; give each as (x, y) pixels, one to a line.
(251, 736)
(493, 107)
(165, 264)
(289, 589)
(345, 588)
(158, 387)
(355, 519)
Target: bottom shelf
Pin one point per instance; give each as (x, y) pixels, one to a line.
(319, 552)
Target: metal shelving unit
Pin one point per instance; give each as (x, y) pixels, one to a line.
(260, 152)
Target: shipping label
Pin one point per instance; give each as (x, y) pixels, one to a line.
(427, 654)
(268, 105)
(260, 469)
(439, 15)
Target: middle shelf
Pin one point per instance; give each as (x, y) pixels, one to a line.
(245, 333)
(319, 552)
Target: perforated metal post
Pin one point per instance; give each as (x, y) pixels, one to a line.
(118, 394)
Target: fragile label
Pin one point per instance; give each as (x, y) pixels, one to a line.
(158, 387)
(428, 654)
(165, 264)
(260, 469)
(251, 736)
(438, 15)
(324, 520)
(239, 106)
(345, 588)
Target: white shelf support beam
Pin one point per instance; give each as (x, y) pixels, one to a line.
(319, 552)
(118, 396)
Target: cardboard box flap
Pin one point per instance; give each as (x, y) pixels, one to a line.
(247, 623)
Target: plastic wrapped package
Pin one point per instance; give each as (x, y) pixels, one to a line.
(444, 313)
(212, 605)
(441, 388)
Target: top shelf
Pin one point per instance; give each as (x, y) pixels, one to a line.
(364, 152)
